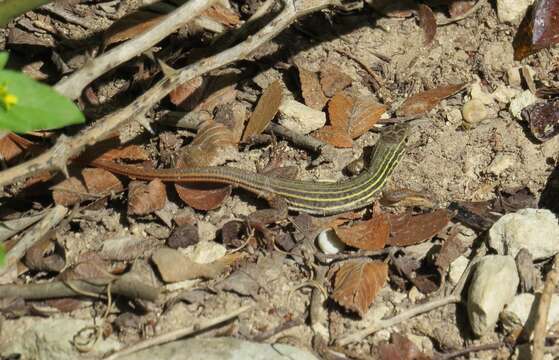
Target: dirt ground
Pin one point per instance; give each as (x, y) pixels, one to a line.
(444, 159)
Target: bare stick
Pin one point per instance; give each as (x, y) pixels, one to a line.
(124, 286)
(73, 85)
(303, 141)
(471, 349)
(177, 334)
(540, 329)
(32, 237)
(56, 158)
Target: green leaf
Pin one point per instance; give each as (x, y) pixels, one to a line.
(27, 105)
(3, 59)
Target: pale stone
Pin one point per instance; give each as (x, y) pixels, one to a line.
(521, 312)
(524, 99)
(500, 163)
(207, 252)
(206, 230)
(505, 94)
(493, 286)
(534, 229)
(457, 268)
(474, 111)
(329, 242)
(512, 11)
(299, 117)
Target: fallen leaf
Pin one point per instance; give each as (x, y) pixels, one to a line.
(407, 229)
(367, 235)
(187, 95)
(173, 266)
(233, 116)
(45, 255)
(427, 100)
(265, 111)
(310, 87)
(400, 348)
(128, 152)
(89, 266)
(543, 118)
(512, 200)
(539, 29)
(183, 236)
(333, 80)
(69, 192)
(423, 276)
(334, 136)
(125, 248)
(428, 23)
(100, 182)
(145, 198)
(354, 115)
(357, 283)
(452, 248)
(12, 146)
(205, 198)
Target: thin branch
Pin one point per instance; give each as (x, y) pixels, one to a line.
(465, 351)
(54, 216)
(124, 286)
(73, 85)
(177, 334)
(540, 328)
(56, 157)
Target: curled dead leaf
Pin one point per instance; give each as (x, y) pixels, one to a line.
(425, 101)
(205, 198)
(144, 198)
(428, 23)
(407, 229)
(367, 235)
(265, 111)
(334, 136)
(355, 115)
(310, 87)
(357, 283)
(333, 80)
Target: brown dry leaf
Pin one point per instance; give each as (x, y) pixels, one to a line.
(407, 229)
(45, 255)
(144, 198)
(367, 235)
(203, 197)
(428, 23)
(100, 182)
(311, 89)
(173, 266)
(265, 111)
(69, 192)
(128, 152)
(357, 283)
(460, 7)
(146, 18)
(539, 29)
(333, 80)
(425, 101)
(12, 146)
(188, 94)
(89, 266)
(354, 115)
(400, 348)
(334, 136)
(452, 248)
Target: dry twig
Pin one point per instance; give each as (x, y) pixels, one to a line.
(56, 157)
(540, 328)
(54, 216)
(73, 85)
(123, 286)
(177, 334)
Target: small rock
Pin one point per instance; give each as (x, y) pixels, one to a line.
(221, 348)
(206, 230)
(505, 94)
(474, 111)
(524, 99)
(457, 268)
(207, 252)
(329, 242)
(477, 93)
(497, 55)
(520, 312)
(500, 163)
(493, 286)
(415, 295)
(183, 236)
(454, 116)
(300, 118)
(512, 11)
(513, 76)
(533, 229)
